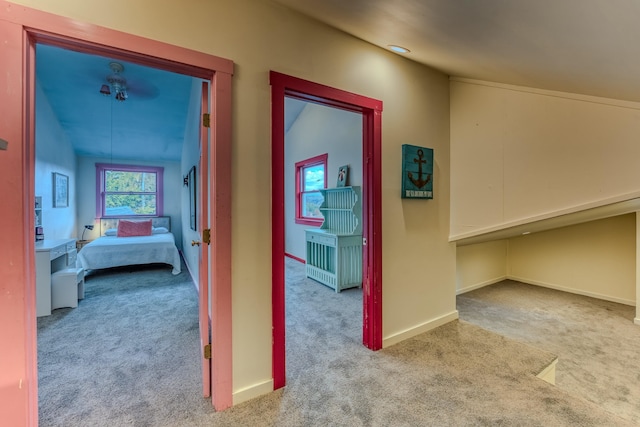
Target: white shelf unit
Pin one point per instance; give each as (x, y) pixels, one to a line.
(334, 251)
(51, 256)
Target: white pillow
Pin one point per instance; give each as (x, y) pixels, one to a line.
(159, 230)
(111, 232)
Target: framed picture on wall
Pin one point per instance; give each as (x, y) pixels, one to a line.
(417, 172)
(60, 190)
(343, 172)
(192, 199)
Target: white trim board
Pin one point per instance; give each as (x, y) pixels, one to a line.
(253, 391)
(573, 291)
(550, 286)
(480, 285)
(419, 329)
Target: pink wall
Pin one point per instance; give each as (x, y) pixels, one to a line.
(18, 371)
(18, 367)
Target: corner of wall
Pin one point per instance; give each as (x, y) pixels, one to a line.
(419, 329)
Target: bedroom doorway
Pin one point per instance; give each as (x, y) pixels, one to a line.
(283, 86)
(23, 29)
(116, 123)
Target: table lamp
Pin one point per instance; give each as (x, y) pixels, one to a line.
(86, 227)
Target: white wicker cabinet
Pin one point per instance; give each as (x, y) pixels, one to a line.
(334, 251)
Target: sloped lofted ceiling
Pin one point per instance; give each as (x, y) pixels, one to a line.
(149, 125)
(587, 47)
(579, 46)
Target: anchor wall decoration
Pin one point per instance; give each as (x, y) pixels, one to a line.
(417, 172)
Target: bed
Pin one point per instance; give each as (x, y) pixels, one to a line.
(109, 250)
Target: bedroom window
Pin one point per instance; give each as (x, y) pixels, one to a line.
(128, 190)
(310, 177)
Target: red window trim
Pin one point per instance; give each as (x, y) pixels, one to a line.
(100, 170)
(313, 161)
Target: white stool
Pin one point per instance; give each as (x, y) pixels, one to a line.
(67, 287)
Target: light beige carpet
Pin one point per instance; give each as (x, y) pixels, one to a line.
(128, 356)
(597, 343)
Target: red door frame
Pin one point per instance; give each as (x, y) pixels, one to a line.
(371, 109)
(21, 28)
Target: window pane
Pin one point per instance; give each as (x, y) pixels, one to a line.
(134, 204)
(130, 181)
(313, 178)
(311, 204)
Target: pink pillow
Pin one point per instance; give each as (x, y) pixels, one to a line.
(133, 228)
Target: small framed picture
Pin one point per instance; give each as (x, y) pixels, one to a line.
(343, 171)
(60, 190)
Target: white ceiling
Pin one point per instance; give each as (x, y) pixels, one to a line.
(581, 46)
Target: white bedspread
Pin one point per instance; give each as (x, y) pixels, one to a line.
(111, 251)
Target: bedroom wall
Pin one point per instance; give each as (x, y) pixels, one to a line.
(86, 193)
(520, 154)
(418, 265)
(54, 153)
(191, 157)
(319, 130)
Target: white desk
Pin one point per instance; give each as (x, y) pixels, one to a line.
(51, 256)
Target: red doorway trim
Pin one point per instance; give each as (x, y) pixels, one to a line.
(371, 110)
(21, 29)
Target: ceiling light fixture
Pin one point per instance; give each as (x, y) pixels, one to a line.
(117, 83)
(398, 49)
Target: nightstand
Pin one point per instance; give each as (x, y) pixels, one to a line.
(81, 243)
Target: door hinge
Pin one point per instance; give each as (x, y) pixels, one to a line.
(207, 351)
(206, 236)
(206, 120)
(364, 241)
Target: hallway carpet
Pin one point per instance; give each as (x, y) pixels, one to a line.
(597, 343)
(128, 356)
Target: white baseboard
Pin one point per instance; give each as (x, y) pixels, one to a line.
(636, 320)
(574, 291)
(252, 392)
(424, 327)
(193, 279)
(480, 285)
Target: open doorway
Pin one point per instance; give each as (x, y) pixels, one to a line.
(286, 86)
(93, 111)
(23, 31)
(323, 230)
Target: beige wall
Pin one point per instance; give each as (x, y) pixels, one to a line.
(521, 154)
(419, 262)
(596, 259)
(480, 265)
